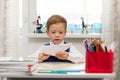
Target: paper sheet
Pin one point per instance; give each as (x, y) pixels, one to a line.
(53, 49)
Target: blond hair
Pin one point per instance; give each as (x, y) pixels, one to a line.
(56, 19)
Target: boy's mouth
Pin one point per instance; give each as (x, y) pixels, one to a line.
(56, 39)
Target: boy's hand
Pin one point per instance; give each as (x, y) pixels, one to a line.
(42, 56)
(62, 55)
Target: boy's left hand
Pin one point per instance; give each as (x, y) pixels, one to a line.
(62, 55)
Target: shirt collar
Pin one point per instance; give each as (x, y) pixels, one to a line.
(51, 43)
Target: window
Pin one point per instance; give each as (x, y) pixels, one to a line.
(73, 10)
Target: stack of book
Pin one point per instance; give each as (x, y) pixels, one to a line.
(19, 65)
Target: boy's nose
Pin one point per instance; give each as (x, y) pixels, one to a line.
(57, 34)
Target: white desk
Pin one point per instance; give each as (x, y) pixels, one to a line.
(76, 76)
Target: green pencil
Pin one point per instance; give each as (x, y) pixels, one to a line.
(53, 72)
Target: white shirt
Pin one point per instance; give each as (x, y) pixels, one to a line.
(74, 55)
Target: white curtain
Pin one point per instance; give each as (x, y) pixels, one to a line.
(2, 27)
(117, 37)
(9, 25)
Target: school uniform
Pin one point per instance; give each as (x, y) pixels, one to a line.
(74, 55)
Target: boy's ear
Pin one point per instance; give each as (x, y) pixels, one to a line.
(65, 31)
(47, 32)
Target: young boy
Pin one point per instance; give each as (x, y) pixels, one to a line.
(56, 31)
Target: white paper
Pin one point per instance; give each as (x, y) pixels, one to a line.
(53, 49)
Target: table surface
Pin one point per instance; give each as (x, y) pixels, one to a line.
(16, 71)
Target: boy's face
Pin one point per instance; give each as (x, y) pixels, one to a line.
(56, 32)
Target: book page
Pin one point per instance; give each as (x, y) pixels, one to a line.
(53, 49)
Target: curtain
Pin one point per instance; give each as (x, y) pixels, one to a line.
(9, 25)
(2, 27)
(117, 37)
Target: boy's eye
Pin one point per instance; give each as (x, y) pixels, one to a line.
(60, 32)
(53, 32)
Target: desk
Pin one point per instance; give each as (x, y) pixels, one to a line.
(71, 76)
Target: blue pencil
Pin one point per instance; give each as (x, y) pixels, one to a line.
(65, 70)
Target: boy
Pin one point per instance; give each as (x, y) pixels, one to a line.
(56, 31)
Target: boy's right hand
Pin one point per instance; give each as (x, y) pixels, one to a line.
(42, 56)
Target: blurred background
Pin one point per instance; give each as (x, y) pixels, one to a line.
(18, 36)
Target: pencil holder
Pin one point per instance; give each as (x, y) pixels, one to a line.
(99, 62)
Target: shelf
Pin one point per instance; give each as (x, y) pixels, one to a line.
(68, 35)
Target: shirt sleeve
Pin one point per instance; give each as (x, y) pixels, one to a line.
(75, 56)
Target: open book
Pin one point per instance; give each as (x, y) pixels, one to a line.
(53, 49)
